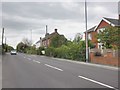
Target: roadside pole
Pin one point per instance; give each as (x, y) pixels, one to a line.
(2, 40)
(87, 60)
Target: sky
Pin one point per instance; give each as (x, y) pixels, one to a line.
(28, 19)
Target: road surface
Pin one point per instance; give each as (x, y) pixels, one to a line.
(33, 71)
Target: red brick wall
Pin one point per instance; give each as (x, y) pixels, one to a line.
(102, 24)
(107, 59)
(94, 37)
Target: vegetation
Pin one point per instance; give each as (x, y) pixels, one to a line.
(58, 40)
(25, 47)
(110, 37)
(74, 50)
(8, 48)
(59, 47)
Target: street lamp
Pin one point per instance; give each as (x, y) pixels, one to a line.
(86, 31)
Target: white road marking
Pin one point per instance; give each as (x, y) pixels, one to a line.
(54, 67)
(36, 61)
(24, 57)
(29, 58)
(108, 86)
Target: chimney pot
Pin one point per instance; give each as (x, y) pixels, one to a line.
(40, 38)
(55, 30)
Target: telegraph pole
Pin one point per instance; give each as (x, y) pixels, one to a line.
(31, 36)
(86, 32)
(5, 40)
(5, 45)
(2, 40)
(46, 36)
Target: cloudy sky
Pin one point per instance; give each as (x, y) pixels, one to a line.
(20, 18)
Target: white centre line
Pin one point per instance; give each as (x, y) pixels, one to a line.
(54, 67)
(108, 86)
(36, 61)
(29, 58)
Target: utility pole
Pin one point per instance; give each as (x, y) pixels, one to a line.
(46, 36)
(2, 40)
(5, 45)
(46, 29)
(31, 36)
(86, 32)
(5, 40)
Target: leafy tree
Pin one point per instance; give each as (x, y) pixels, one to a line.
(7, 48)
(21, 47)
(78, 38)
(25, 46)
(58, 40)
(27, 42)
(109, 37)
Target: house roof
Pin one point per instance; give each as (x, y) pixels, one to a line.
(37, 42)
(116, 22)
(91, 29)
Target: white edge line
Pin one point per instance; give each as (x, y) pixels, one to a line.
(54, 67)
(97, 82)
(36, 61)
(29, 58)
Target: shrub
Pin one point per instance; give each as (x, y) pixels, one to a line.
(39, 50)
(72, 51)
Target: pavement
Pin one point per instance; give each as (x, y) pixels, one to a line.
(33, 71)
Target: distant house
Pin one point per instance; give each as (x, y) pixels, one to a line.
(45, 42)
(47, 39)
(105, 22)
(38, 43)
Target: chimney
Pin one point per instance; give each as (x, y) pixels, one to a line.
(46, 29)
(40, 38)
(55, 30)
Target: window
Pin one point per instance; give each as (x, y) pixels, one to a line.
(90, 36)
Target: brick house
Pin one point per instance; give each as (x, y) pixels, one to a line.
(47, 39)
(105, 22)
(91, 35)
(45, 42)
(38, 43)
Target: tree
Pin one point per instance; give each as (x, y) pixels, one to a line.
(8, 48)
(78, 38)
(27, 42)
(21, 47)
(58, 40)
(110, 37)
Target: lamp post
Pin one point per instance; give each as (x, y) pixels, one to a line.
(86, 32)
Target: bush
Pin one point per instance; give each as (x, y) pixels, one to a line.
(49, 51)
(71, 51)
(39, 50)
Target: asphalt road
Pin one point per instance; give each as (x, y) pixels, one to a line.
(32, 71)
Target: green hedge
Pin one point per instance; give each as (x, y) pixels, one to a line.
(71, 51)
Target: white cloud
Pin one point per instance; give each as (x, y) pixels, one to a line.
(67, 17)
